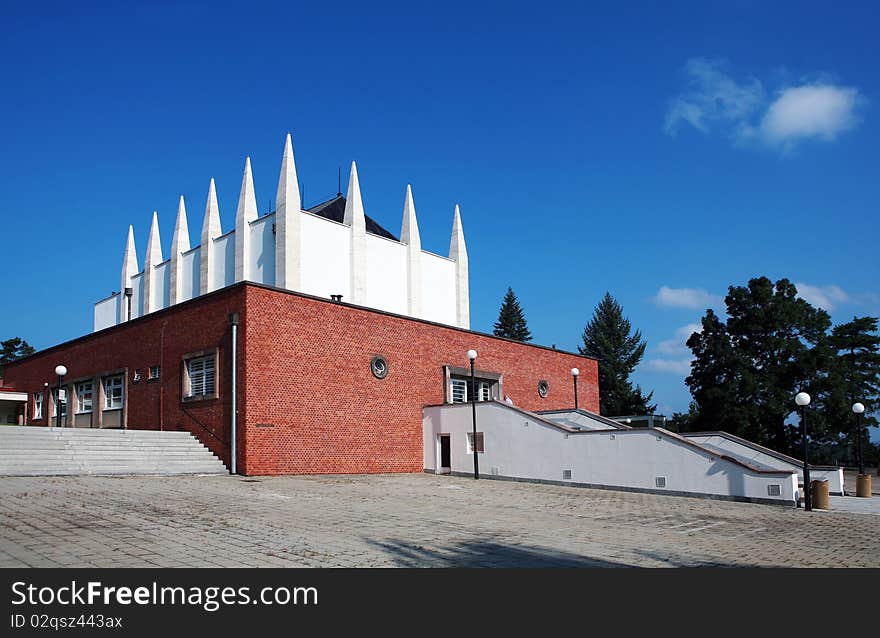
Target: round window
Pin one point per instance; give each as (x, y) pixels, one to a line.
(543, 388)
(379, 366)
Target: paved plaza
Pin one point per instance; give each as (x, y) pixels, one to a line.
(416, 520)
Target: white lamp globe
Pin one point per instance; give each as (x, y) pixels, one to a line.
(858, 408)
(628, 421)
(60, 370)
(802, 399)
(575, 372)
(472, 354)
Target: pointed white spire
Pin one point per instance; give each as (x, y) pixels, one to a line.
(152, 294)
(458, 253)
(129, 270)
(179, 245)
(247, 212)
(211, 230)
(287, 223)
(409, 235)
(356, 219)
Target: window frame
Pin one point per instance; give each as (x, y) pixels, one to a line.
(186, 394)
(481, 442)
(154, 377)
(109, 399)
(38, 406)
(78, 389)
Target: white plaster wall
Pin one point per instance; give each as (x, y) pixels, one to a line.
(386, 275)
(137, 296)
(162, 287)
(189, 274)
(746, 453)
(106, 312)
(523, 447)
(438, 289)
(262, 251)
(325, 258)
(224, 272)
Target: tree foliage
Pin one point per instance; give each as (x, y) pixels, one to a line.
(511, 319)
(773, 344)
(608, 337)
(13, 349)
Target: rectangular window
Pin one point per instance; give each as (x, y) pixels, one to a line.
(38, 405)
(201, 376)
(84, 392)
(154, 372)
(470, 440)
(459, 391)
(484, 390)
(113, 392)
(63, 402)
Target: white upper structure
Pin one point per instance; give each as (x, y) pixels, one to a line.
(330, 249)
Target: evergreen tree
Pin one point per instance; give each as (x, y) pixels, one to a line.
(746, 371)
(511, 320)
(13, 349)
(852, 373)
(607, 338)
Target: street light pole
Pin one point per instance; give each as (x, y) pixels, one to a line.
(803, 400)
(60, 370)
(472, 355)
(574, 375)
(858, 408)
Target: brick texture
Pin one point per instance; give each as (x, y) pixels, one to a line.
(307, 399)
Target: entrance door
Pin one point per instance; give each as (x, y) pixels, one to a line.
(445, 462)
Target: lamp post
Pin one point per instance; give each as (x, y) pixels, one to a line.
(803, 400)
(60, 370)
(472, 355)
(858, 408)
(574, 375)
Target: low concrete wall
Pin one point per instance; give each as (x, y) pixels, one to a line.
(525, 446)
(747, 451)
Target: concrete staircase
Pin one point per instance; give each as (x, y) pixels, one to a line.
(37, 451)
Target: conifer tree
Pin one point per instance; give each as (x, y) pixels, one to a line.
(607, 338)
(511, 320)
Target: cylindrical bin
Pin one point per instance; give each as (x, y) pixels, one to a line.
(819, 492)
(863, 485)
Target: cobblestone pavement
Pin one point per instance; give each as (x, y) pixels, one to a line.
(403, 520)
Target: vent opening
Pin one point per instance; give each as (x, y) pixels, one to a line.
(774, 490)
(566, 475)
(660, 481)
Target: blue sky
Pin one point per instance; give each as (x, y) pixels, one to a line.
(658, 152)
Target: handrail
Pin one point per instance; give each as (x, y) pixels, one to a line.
(204, 427)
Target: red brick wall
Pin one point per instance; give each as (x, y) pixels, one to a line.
(309, 379)
(312, 404)
(160, 338)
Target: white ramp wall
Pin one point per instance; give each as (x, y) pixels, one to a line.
(746, 451)
(522, 446)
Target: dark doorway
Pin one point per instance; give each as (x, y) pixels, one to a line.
(445, 462)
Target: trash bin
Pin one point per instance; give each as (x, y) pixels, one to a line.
(863, 485)
(819, 493)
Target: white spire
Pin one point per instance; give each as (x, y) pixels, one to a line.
(356, 219)
(409, 235)
(129, 270)
(458, 253)
(211, 230)
(179, 245)
(152, 292)
(287, 223)
(247, 212)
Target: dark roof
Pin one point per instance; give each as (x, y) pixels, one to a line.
(334, 209)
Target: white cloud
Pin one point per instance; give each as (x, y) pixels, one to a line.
(678, 345)
(821, 111)
(696, 298)
(742, 110)
(825, 297)
(680, 367)
(713, 97)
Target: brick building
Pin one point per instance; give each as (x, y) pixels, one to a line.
(321, 386)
